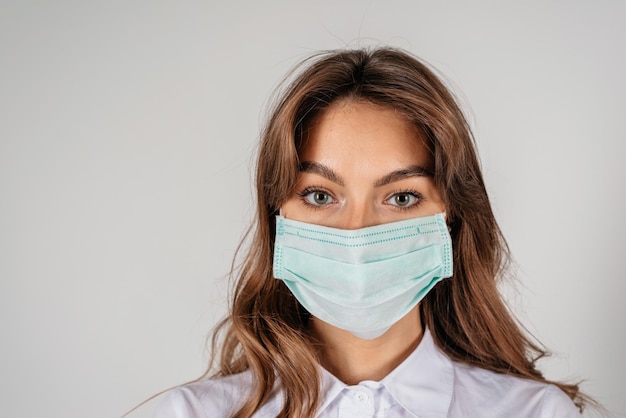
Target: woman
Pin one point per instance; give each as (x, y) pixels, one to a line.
(369, 287)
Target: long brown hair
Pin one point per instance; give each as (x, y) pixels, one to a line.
(266, 331)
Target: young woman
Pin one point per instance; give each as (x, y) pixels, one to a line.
(369, 286)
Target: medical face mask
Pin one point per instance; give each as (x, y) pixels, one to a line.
(362, 280)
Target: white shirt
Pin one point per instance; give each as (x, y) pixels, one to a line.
(428, 384)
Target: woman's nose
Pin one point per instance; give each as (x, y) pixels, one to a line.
(359, 216)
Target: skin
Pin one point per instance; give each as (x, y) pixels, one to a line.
(363, 165)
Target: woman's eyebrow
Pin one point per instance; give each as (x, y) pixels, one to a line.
(412, 171)
(322, 170)
(397, 175)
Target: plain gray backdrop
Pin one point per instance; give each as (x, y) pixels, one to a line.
(127, 136)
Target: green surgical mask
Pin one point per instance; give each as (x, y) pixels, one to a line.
(362, 280)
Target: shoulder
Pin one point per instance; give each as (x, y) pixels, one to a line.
(218, 397)
(499, 395)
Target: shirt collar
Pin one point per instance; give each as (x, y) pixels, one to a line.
(422, 383)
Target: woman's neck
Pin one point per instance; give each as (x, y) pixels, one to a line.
(353, 360)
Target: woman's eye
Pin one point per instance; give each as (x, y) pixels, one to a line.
(318, 198)
(403, 199)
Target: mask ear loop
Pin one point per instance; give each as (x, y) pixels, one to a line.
(445, 218)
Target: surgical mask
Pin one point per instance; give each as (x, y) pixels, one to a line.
(362, 280)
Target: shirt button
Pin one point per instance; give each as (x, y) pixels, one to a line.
(361, 396)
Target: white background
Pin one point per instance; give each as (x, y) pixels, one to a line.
(127, 135)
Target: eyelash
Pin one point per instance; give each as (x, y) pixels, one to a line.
(417, 195)
(313, 189)
(316, 189)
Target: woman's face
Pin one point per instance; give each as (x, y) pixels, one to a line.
(362, 165)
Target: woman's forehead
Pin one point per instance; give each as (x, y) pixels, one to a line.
(358, 130)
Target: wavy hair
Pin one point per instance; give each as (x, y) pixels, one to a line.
(266, 329)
